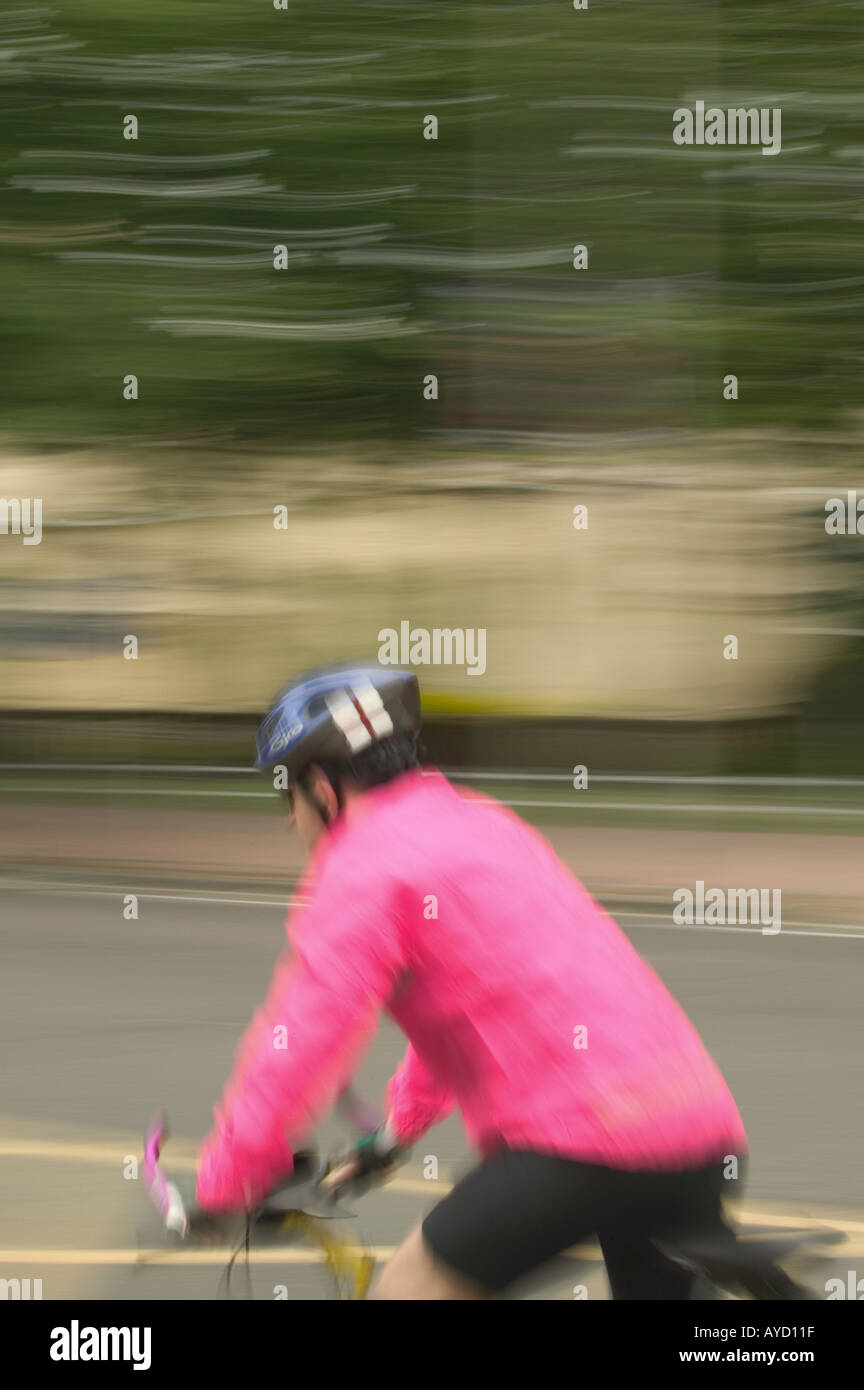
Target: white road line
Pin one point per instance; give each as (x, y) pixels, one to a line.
(171, 897)
(661, 925)
(719, 807)
(463, 774)
(159, 890)
(58, 789)
(144, 768)
(580, 801)
(652, 779)
(842, 930)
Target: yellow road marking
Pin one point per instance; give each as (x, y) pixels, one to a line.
(35, 1259)
(289, 1255)
(85, 1153)
(115, 1153)
(198, 1256)
(773, 1218)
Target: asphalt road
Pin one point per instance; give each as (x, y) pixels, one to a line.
(104, 1020)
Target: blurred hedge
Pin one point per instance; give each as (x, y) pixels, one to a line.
(259, 126)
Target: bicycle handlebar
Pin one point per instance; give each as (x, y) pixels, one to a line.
(318, 1197)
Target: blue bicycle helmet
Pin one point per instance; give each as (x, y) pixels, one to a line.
(336, 713)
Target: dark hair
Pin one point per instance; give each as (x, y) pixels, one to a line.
(380, 763)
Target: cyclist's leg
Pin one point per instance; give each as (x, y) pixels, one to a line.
(509, 1216)
(415, 1273)
(520, 1209)
(658, 1205)
(636, 1270)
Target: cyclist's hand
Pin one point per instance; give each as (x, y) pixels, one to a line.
(371, 1161)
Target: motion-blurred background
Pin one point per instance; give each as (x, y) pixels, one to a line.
(445, 503)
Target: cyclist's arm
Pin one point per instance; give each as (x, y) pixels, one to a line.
(302, 1047)
(415, 1100)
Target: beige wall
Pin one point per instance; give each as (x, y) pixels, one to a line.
(684, 545)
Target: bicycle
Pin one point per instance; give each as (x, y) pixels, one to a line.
(743, 1263)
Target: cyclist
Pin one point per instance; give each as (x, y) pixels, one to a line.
(585, 1089)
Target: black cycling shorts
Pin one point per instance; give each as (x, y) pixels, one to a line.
(519, 1209)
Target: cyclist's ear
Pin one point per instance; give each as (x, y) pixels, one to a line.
(322, 793)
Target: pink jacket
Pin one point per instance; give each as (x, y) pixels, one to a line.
(524, 1004)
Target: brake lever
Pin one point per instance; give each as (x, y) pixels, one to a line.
(165, 1197)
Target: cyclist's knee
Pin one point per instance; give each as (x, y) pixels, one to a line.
(415, 1273)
